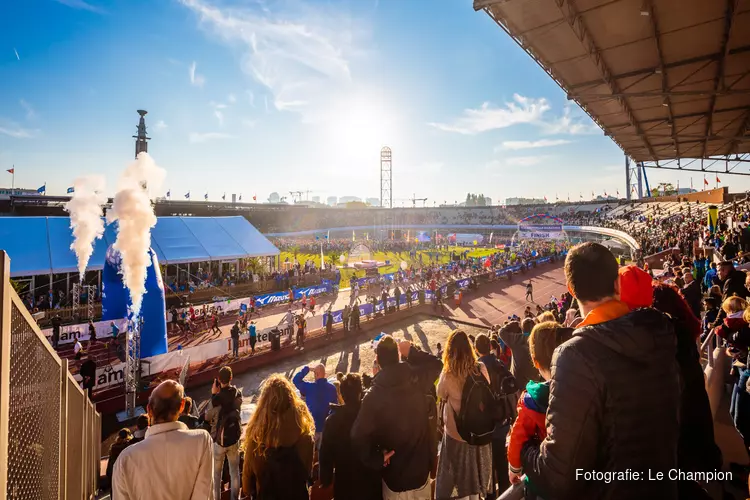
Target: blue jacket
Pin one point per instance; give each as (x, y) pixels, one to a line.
(319, 395)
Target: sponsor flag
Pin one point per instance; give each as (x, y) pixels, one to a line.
(205, 196)
(71, 190)
(718, 181)
(354, 238)
(42, 189)
(187, 195)
(545, 199)
(491, 234)
(705, 182)
(169, 193)
(11, 170)
(240, 196)
(224, 196)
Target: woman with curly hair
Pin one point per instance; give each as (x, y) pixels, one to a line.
(278, 444)
(463, 470)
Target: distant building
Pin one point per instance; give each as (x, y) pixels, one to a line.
(316, 199)
(331, 201)
(5, 193)
(373, 202)
(347, 199)
(274, 197)
(524, 201)
(487, 201)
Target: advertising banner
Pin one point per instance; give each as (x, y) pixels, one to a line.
(69, 333)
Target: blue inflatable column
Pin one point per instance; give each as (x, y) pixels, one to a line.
(116, 302)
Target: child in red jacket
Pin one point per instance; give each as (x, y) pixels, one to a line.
(532, 406)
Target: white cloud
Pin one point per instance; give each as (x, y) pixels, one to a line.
(208, 136)
(251, 98)
(219, 116)
(160, 125)
(541, 143)
(249, 123)
(525, 161)
(14, 130)
(30, 113)
(231, 98)
(196, 79)
(302, 55)
(17, 56)
(488, 117)
(80, 5)
(569, 125)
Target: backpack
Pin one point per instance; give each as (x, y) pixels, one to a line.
(229, 427)
(284, 476)
(505, 389)
(476, 420)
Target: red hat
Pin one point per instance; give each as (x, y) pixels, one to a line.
(635, 287)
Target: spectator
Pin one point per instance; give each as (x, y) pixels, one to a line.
(615, 354)
(172, 462)
(235, 334)
(141, 426)
(226, 427)
(394, 430)
(339, 465)
(56, 325)
(463, 469)
(426, 368)
(504, 388)
(186, 417)
(253, 336)
(278, 444)
(319, 396)
(532, 406)
(516, 337)
(123, 440)
(692, 292)
(697, 450)
(92, 332)
(88, 374)
(732, 281)
(78, 349)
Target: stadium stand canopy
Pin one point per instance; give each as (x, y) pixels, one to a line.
(665, 79)
(41, 245)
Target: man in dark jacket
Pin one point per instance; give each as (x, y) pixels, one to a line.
(692, 292)
(393, 432)
(226, 401)
(353, 480)
(517, 338)
(614, 398)
(732, 281)
(425, 367)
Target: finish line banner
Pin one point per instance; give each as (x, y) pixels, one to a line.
(541, 231)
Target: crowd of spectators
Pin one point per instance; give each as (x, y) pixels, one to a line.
(585, 397)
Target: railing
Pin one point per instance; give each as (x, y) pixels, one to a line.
(50, 433)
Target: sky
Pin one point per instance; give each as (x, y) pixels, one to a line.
(252, 97)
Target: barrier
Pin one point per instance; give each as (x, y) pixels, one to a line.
(49, 430)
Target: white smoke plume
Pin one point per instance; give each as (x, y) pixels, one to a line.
(85, 208)
(135, 217)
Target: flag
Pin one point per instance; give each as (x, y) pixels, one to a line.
(605, 193)
(581, 194)
(71, 190)
(42, 189)
(205, 196)
(255, 198)
(187, 195)
(618, 193)
(593, 195)
(11, 170)
(491, 238)
(328, 234)
(705, 182)
(224, 196)
(169, 193)
(240, 196)
(545, 199)
(718, 181)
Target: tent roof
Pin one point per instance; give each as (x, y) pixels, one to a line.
(665, 79)
(41, 245)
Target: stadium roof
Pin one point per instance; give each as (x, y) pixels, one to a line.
(41, 245)
(665, 79)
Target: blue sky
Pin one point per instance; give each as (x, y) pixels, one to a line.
(259, 96)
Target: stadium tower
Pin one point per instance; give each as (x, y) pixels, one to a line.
(141, 141)
(386, 178)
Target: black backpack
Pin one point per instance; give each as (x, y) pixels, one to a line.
(284, 477)
(229, 426)
(505, 389)
(476, 420)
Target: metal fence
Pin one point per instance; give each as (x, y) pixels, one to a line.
(50, 433)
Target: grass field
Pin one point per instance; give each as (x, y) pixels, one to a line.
(394, 259)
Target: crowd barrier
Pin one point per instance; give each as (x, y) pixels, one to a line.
(113, 374)
(50, 433)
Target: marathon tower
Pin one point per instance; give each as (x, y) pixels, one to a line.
(141, 144)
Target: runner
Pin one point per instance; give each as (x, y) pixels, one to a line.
(312, 305)
(529, 292)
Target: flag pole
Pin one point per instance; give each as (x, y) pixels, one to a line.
(13, 180)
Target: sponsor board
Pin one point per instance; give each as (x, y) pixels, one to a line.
(541, 235)
(80, 331)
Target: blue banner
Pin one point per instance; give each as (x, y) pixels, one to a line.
(281, 297)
